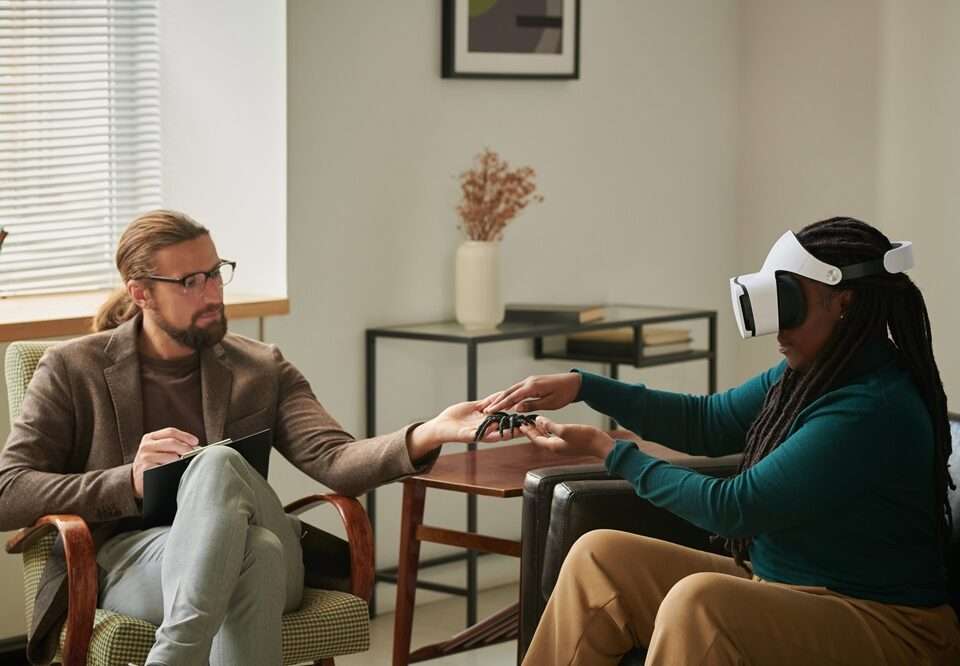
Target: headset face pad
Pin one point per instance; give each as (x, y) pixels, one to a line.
(792, 305)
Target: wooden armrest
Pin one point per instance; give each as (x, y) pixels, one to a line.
(81, 577)
(359, 536)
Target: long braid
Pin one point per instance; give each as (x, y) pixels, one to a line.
(914, 338)
(882, 305)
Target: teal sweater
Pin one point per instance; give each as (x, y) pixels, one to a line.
(845, 502)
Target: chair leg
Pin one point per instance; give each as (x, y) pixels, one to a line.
(324, 662)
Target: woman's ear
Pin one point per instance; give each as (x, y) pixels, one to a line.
(844, 299)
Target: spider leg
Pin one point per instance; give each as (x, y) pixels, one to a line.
(505, 419)
(483, 427)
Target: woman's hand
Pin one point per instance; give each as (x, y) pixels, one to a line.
(569, 439)
(539, 392)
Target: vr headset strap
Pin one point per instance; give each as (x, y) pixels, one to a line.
(854, 271)
(896, 260)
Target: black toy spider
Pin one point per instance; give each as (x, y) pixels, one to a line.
(504, 422)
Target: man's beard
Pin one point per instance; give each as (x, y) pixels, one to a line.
(193, 336)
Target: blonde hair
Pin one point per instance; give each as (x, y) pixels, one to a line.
(146, 235)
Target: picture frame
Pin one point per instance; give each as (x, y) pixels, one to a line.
(511, 39)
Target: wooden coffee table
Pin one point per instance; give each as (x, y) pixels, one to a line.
(494, 471)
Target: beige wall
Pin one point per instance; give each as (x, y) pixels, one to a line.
(850, 108)
(636, 160)
(919, 158)
(808, 126)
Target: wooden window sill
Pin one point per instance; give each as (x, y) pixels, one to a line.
(60, 315)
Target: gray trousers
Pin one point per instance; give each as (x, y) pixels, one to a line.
(218, 580)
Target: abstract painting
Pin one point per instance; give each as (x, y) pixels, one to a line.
(511, 39)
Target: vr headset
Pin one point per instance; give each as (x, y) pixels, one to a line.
(772, 299)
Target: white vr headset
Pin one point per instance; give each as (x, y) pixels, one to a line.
(772, 299)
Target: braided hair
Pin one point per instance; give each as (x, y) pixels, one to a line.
(885, 305)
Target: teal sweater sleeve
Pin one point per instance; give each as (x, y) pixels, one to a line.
(827, 460)
(710, 425)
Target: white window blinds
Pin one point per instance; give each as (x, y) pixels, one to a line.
(79, 137)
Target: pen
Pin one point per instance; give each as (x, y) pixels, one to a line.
(201, 449)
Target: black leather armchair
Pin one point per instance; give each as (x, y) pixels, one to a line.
(560, 504)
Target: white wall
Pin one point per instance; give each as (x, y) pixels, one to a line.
(636, 160)
(919, 159)
(808, 126)
(850, 108)
(223, 105)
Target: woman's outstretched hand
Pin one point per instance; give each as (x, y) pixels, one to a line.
(535, 393)
(570, 439)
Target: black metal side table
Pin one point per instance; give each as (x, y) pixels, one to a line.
(617, 316)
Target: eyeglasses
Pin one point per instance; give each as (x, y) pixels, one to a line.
(195, 283)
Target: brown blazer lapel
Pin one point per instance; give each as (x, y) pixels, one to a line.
(123, 382)
(216, 380)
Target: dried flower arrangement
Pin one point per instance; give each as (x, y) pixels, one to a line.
(493, 195)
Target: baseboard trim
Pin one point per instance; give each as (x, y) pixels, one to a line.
(13, 651)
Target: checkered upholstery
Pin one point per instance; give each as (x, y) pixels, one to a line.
(21, 361)
(327, 623)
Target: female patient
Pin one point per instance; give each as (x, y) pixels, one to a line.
(838, 520)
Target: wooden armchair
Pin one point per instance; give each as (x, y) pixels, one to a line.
(328, 623)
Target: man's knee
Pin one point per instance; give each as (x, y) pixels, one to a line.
(263, 559)
(263, 544)
(217, 463)
(216, 457)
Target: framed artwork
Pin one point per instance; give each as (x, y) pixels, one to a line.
(511, 39)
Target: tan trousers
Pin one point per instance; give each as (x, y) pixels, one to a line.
(617, 591)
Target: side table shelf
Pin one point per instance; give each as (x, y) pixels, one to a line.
(618, 316)
(642, 362)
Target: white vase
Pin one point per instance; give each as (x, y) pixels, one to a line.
(478, 301)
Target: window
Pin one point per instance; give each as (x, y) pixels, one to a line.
(79, 137)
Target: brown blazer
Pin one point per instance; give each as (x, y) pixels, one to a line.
(72, 449)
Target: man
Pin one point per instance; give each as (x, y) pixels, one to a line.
(159, 378)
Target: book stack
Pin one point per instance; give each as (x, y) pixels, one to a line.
(619, 342)
(536, 313)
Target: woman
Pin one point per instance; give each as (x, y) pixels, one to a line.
(838, 519)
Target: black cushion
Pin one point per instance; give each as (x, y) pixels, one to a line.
(326, 559)
(635, 657)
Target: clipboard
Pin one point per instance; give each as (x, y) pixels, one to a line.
(161, 483)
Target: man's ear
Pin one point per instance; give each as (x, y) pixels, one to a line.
(138, 293)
